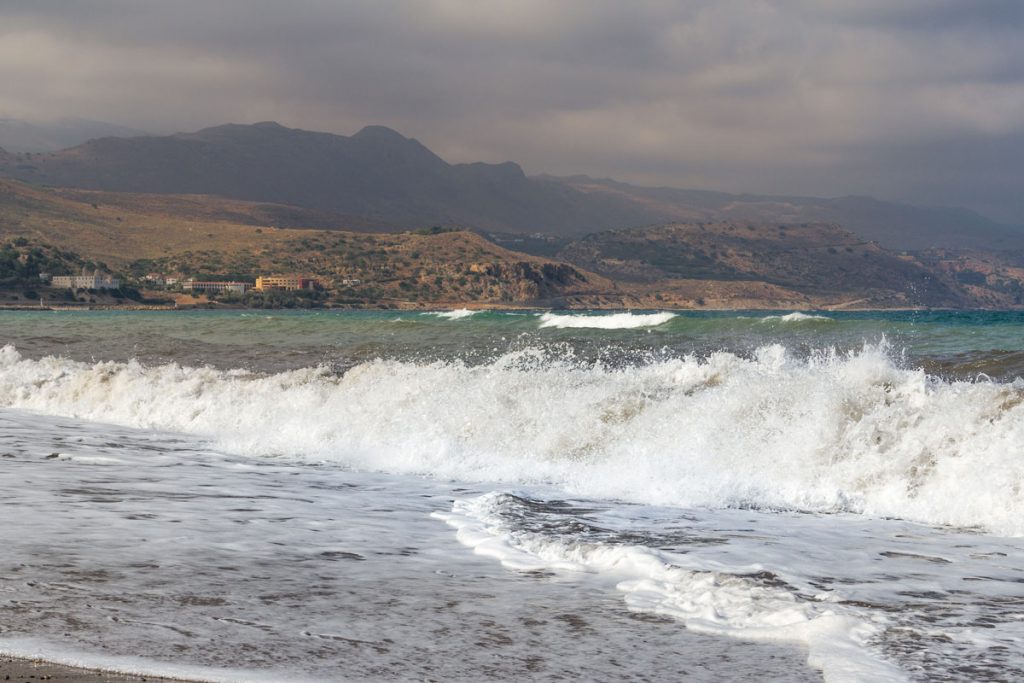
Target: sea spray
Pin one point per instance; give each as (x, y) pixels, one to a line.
(834, 432)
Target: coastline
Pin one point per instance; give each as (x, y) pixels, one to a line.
(495, 306)
(19, 670)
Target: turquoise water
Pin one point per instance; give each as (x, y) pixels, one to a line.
(961, 344)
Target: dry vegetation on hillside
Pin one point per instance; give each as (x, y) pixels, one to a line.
(818, 260)
(714, 265)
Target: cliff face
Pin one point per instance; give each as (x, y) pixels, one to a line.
(527, 281)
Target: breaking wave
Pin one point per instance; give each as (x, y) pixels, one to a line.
(795, 317)
(615, 321)
(834, 432)
(457, 314)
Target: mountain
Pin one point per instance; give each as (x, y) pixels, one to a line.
(27, 137)
(376, 173)
(891, 224)
(391, 180)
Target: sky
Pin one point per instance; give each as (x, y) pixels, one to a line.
(913, 100)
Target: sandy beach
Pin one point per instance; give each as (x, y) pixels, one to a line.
(26, 671)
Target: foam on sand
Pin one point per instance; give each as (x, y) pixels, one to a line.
(705, 601)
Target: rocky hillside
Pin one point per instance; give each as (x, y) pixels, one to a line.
(819, 259)
(190, 236)
(991, 279)
(713, 265)
(399, 269)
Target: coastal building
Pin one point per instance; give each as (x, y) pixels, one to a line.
(94, 281)
(201, 286)
(286, 282)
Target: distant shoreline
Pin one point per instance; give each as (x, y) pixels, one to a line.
(491, 307)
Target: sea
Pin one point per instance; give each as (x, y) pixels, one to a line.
(514, 495)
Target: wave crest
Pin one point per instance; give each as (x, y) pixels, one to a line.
(850, 432)
(796, 317)
(457, 314)
(615, 321)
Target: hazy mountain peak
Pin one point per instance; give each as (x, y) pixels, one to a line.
(379, 133)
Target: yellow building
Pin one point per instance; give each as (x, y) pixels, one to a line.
(286, 282)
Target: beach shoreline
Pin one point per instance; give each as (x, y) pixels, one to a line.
(20, 670)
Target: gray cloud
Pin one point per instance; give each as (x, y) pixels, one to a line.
(913, 99)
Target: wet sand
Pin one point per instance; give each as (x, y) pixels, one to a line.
(32, 671)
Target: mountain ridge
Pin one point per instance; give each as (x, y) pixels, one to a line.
(376, 173)
(383, 176)
(894, 224)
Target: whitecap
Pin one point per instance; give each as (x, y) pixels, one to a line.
(615, 321)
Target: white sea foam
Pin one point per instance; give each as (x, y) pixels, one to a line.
(615, 321)
(794, 317)
(221, 568)
(705, 601)
(835, 432)
(457, 314)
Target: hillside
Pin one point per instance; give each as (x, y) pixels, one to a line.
(815, 259)
(714, 265)
(191, 236)
(993, 280)
(213, 208)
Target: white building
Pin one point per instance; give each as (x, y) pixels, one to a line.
(85, 282)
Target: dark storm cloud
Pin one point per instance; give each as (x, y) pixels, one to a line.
(915, 98)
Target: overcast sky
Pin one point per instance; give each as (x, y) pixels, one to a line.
(921, 100)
